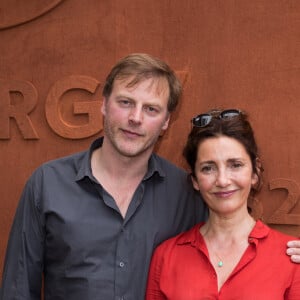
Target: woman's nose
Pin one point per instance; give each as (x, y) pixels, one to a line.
(222, 178)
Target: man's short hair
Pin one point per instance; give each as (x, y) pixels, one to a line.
(141, 66)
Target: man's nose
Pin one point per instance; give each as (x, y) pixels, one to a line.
(136, 115)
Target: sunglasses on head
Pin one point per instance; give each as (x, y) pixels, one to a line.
(203, 120)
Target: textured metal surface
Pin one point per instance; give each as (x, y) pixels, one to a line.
(54, 58)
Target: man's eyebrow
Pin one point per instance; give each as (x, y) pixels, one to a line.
(120, 96)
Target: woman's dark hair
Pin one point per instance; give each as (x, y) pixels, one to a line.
(236, 127)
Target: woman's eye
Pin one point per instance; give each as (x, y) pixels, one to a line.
(236, 165)
(207, 169)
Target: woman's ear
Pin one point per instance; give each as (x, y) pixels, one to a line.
(254, 180)
(195, 182)
(257, 176)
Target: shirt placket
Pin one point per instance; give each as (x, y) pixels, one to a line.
(123, 262)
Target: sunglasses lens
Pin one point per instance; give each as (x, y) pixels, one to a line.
(202, 120)
(229, 113)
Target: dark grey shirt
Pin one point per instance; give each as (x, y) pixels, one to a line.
(68, 228)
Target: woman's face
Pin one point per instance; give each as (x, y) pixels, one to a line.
(224, 174)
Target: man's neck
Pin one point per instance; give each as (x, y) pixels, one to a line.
(119, 175)
(109, 161)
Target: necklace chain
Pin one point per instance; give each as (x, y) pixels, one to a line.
(220, 262)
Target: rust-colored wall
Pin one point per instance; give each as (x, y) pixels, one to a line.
(55, 55)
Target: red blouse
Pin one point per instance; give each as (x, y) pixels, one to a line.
(180, 269)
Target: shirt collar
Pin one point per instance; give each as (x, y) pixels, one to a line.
(259, 231)
(154, 166)
(85, 169)
(193, 237)
(190, 236)
(84, 166)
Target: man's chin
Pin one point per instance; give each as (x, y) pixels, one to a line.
(134, 152)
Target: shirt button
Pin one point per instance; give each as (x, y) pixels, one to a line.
(121, 264)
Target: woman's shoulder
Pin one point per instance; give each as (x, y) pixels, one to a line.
(262, 232)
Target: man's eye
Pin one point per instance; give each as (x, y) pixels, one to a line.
(151, 109)
(124, 102)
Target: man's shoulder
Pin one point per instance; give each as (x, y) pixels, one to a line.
(174, 177)
(70, 159)
(167, 165)
(64, 166)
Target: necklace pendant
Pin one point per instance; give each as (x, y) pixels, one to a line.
(220, 264)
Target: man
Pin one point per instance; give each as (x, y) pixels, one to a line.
(88, 223)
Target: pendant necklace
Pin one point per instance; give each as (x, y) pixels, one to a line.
(220, 260)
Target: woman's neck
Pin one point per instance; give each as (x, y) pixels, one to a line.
(226, 240)
(225, 229)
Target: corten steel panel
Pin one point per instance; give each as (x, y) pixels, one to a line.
(56, 54)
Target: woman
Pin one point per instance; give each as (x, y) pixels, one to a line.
(231, 256)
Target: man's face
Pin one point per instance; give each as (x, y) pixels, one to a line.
(135, 116)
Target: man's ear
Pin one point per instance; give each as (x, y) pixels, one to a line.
(166, 123)
(103, 106)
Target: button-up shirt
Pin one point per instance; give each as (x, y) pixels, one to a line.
(181, 270)
(69, 231)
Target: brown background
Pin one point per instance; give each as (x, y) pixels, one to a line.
(228, 53)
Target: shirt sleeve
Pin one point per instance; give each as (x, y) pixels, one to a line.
(23, 265)
(153, 291)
